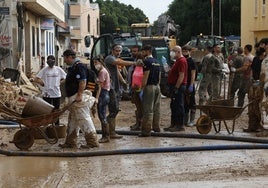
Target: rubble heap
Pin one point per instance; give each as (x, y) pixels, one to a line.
(12, 96)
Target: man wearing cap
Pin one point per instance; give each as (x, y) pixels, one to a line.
(50, 78)
(112, 61)
(79, 115)
(216, 71)
(206, 67)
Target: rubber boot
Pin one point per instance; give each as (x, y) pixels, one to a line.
(177, 127)
(137, 125)
(146, 125)
(172, 124)
(113, 134)
(156, 124)
(105, 133)
(91, 139)
(70, 141)
(186, 119)
(132, 126)
(192, 118)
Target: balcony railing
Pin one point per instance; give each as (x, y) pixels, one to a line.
(50, 8)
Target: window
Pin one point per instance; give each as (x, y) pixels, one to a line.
(49, 42)
(88, 23)
(256, 8)
(263, 7)
(33, 41)
(37, 41)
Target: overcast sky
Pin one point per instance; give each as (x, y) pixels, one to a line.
(151, 8)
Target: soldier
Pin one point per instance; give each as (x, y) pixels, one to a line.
(216, 71)
(206, 76)
(237, 77)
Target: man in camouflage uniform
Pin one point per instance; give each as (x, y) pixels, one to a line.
(237, 76)
(217, 67)
(206, 76)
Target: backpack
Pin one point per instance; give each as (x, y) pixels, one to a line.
(92, 82)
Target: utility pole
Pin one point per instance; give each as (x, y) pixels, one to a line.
(212, 20)
(219, 17)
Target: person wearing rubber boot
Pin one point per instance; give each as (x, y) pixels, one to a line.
(151, 93)
(177, 80)
(135, 91)
(255, 94)
(189, 103)
(111, 62)
(79, 116)
(102, 97)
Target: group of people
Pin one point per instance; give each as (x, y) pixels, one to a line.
(247, 71)
(247, 75)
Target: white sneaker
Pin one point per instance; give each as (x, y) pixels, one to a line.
(163, 96)
(191, 124)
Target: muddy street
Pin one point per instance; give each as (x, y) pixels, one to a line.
(211, 168)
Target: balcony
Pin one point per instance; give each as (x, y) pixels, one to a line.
(51, 9)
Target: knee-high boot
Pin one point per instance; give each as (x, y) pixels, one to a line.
(137, 125)
(105, 133)
(113, 135)
(70, 141)
(91, 140)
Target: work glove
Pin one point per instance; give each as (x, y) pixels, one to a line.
(233, 69)
(190, 89)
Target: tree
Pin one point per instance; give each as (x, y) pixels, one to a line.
(118, 15)
(194, 17)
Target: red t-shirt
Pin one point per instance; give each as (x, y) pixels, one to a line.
(179, 66)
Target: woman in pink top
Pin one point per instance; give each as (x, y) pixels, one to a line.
(102, 97)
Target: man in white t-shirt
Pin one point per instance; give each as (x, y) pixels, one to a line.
(50, 78)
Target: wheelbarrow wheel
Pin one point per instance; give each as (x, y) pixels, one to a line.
(203, 124)
(23, 139)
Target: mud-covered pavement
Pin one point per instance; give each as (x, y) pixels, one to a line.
(224, 168)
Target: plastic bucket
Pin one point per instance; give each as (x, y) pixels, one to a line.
(36, 106)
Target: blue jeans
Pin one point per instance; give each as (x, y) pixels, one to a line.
(177, 104)
(103, 102)
(113, 105)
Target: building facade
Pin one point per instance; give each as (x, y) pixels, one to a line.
(254, 19)
(30, 30)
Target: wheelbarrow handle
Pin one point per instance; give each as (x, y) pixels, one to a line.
(249, 103)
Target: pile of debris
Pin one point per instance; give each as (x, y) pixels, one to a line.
(11, 96)
(14, 96)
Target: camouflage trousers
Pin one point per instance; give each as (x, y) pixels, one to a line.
(203, 88)
(215, 83)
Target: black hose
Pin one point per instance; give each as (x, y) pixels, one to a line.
(135, 151)
(197, 136)
(6, 122)
(264, 145)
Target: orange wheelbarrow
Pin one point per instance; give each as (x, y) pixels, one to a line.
(216, 113)
(24, 138)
